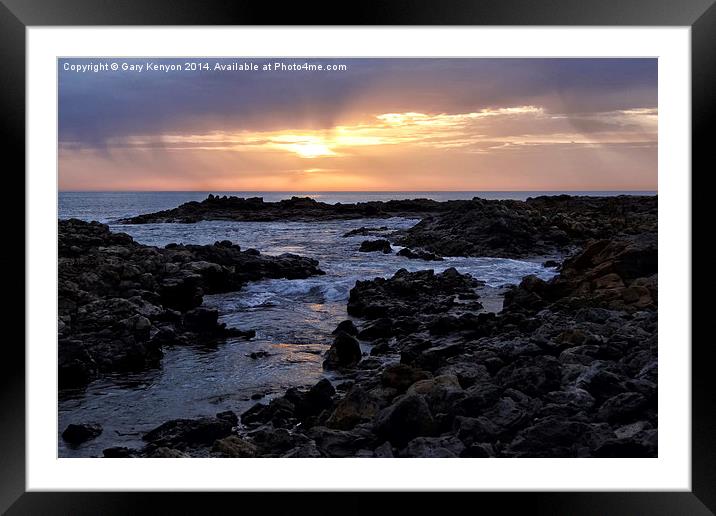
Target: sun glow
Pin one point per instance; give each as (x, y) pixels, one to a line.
(310, 150)
(355, 154)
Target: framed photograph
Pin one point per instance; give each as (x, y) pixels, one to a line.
(419, 252)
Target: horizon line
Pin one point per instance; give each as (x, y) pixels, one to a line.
(345, 191)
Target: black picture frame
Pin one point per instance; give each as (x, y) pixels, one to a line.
(17, 15)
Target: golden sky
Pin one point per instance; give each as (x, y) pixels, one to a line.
(380, 131)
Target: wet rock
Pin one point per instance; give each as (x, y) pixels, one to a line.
(408, 293)
(311, 403)
(119, 452)
(371, 246)
(344, 352)
(280, 412)
(419, 254)
(346, 326)
(365, 231)
(79, 433)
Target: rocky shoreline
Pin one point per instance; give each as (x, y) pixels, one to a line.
(498, 228)
(120, 302)
(568, 367)
(295, 208)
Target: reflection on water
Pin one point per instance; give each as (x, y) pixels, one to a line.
(293, 320)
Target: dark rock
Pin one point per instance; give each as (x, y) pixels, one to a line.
(408, 417)
(644, 444)
(79, 433)
(346, 326)
(419, 254)
(234, 447)
(380, 328)
(166, 453)
(365, 231)
(532, 375)
(280, 411)
(408, 293)
(358, 406)
(384, 451)
(474, 430)
(549, 437)
(479, 450)
(305, 451)
(623, 407)
(119, 452)
(202, 320)
(370, 246)
(538, 226)
(180, 433)
(478, 397)
(467, 373)
(344, 352)
(441, 393)
(296, 208)
(275, 442)
(401, 376)
(434, 447)
(341, 443)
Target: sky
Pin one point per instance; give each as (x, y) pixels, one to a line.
(371, 125)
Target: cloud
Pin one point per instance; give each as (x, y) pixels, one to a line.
(95, 107)
(383, 124)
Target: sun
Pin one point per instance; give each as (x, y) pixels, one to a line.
(311, 150)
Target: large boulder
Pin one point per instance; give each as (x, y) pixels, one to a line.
(371, 246)
(408, 417)
(182, 433)
(344, 352)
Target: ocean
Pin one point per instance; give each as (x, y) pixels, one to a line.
(293, 319)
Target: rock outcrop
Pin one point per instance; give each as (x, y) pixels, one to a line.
(539, 226)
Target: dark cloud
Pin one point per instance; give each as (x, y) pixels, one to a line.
(96, 107)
